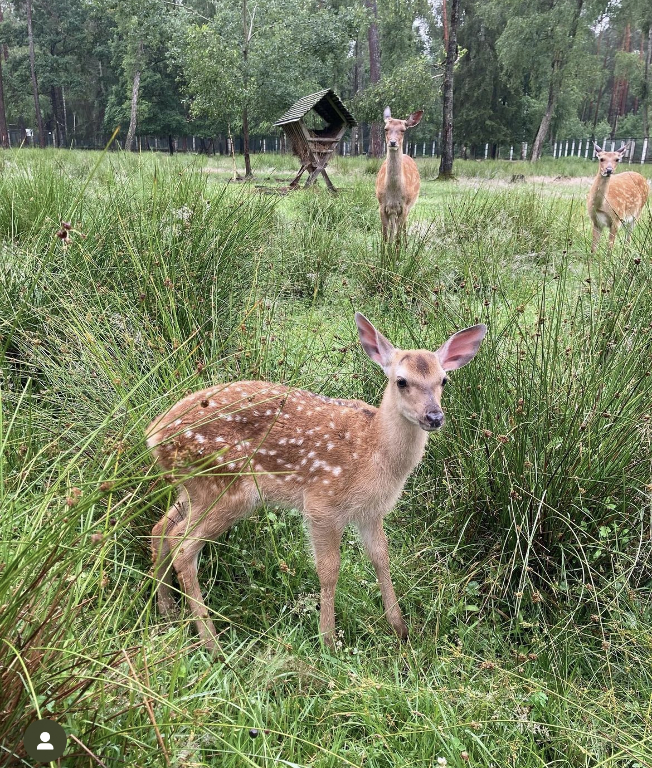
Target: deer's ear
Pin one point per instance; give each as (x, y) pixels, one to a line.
(461, 347)
(414, 119)
(623, 149)
(387, 113)
(377, 347)
(596, 148)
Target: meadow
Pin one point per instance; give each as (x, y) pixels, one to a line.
(521, 549)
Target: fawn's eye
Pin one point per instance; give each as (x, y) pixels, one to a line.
(444, 382)
(401, 383)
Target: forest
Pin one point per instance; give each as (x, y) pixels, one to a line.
(72, 71)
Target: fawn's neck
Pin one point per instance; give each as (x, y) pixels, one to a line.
(600, 187)
(394, 179)
(399, 444)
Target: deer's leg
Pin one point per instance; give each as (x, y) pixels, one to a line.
(612, 235)
(596, 238)
(209, 515)
(383, 222)
(326, 539)
(375, 544)
(162, 556)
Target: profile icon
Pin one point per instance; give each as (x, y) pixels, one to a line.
(45, 740)
(44, 743)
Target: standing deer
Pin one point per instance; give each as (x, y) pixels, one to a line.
(614, 200)
(397, 183)
(235, 446)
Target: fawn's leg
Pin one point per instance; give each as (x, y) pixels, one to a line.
(208, 517)
(375, 544)
(326, 539)
(162, 557)
(596, 238)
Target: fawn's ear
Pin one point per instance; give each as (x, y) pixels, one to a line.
(387, 113)
(414, 119)
(596, 149)
(623, 149)
(461, 347)
(377, 347)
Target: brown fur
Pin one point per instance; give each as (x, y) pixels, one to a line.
(614, 200)
(234, 446)
(398, 181)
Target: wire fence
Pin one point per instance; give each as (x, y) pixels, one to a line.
(639, 149)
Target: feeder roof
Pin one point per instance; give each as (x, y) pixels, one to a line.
(326, 104)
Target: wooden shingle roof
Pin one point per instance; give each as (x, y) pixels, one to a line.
(326, 104)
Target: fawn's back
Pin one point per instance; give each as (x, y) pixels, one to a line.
(286, 446)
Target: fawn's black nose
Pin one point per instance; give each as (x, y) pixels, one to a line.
(393, 143)
(435, 419)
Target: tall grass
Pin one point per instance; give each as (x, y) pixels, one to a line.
(520, 549)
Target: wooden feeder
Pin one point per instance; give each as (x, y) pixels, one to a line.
(315, 136)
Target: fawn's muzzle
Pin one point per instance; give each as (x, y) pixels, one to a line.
(434, 420)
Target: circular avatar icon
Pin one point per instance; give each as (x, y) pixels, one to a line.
(45, 740)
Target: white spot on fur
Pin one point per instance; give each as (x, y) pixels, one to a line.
(188, 433)
(330, 446)
(337, 471)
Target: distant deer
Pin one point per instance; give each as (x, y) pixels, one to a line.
(614, 200)
(235, 446)
(397, 183)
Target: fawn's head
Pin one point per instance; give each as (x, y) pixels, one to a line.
(395, 129)
(417, 377)
(609, 160)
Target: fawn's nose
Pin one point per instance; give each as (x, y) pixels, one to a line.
(393, 143)
(435, 419)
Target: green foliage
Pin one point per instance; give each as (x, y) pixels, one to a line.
(410, 86)
(520, 549)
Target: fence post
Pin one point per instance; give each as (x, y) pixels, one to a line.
(644, 152)
(486, 151)
(579, 148)
(554, 151)
(631, 150)
(511, 152)
(573, 148)
(586, 151)
(524, 150)
(566, 149)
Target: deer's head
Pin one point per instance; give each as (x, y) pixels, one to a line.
(395, 129)
(417, 377)
(609, 160)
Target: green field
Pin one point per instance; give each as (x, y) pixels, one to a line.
(521, 548)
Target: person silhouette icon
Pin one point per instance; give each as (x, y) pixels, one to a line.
(45, 742)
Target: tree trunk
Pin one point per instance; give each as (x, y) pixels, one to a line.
(376, 133)
(547, 117)
(357, 71)
(446, 162)
(32, 64)
(131, 133)
(4, 133)
(556, 78)
(58, 124)
(246, 36)
(245, 137)
(645, 100)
